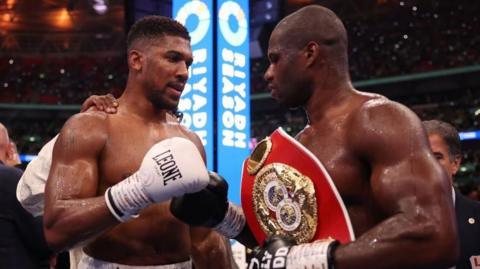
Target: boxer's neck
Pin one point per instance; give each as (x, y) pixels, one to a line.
(141, 107)
(325, 101)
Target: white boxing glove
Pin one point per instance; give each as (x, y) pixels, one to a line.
(172, 167)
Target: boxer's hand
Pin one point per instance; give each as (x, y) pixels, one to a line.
(210, 208)
(170, 168)
(273, 254)
(106, 103)
(278, 252)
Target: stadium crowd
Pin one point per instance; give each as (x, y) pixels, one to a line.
(55, 80)
(401, 38)
(398, 38)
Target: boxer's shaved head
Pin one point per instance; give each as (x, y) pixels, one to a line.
(315, 24)
(307, 50)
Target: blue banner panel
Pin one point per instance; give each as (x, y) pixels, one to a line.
(472, 135)
(233, 94)
(196, 102)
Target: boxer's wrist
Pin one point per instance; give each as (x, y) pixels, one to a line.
(331, 249)
(233, 222)
(170, 168)
(313, 255)
(126, 198)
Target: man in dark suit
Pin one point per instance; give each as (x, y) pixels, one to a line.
(22, 244)
(445, 145)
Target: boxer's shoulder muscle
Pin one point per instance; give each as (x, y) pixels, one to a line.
(380, 125)
(75, 153)
(83, 134)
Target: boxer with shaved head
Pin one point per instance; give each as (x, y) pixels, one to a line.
(375, 151)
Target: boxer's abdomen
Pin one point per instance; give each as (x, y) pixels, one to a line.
(156, 237)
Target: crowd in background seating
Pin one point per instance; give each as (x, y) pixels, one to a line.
(403, 38)
(55, 80)
(400, 38)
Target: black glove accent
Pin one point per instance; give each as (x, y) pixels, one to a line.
(205, 208)
(273, 254)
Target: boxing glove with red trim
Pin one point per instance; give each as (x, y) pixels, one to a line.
(171, 167)
(278, 252)
(210, 208)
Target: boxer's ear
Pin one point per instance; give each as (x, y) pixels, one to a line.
(135, 60)
(312, 52)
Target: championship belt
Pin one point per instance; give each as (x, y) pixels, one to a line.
(287, 191)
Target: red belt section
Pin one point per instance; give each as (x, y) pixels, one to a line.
(333, 220)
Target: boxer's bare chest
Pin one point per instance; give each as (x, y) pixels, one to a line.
(349, 172)
(156, 234)
(126, 146)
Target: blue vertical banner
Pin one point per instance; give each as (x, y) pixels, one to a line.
(233, 91)
(196, 102)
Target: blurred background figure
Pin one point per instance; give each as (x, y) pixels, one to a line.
(22, 244)
(445, 144)
(14, 157)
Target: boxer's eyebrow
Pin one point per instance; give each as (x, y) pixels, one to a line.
(179, 56)
(438, 155)
(273, 57)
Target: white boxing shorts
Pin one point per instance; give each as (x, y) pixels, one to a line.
(87, 262)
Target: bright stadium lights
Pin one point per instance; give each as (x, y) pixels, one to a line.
(99, 6)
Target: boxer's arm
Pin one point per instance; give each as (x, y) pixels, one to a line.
(245, 236)
(208, 247)
(72, 212)
(410, 187)
(30, 189)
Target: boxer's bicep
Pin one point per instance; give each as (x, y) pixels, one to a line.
(409, 183)
(74, 171)
(393, 143)
(72, 212)
(409, 192)
(405, 175)
(410, 186)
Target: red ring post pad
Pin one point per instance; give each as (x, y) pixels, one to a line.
(332, 221)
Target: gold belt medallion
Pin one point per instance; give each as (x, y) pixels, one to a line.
(285, 202)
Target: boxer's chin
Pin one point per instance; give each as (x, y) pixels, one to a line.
(285, 102)
(280, 100)
(163, 101)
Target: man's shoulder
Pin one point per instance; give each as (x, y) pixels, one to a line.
(88, 117)
(9, 174)
(87, 122)
(90, 129)
(464, 203)
(376, 104)
(378, 125)
(376, 112)
(8, 170)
